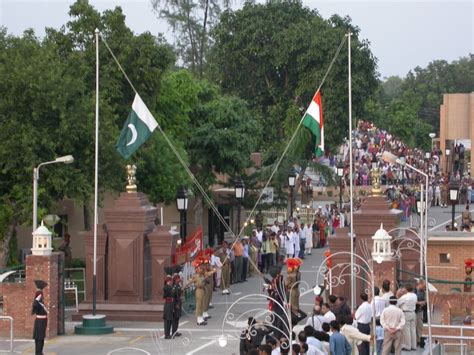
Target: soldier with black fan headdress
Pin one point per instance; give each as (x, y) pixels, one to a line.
(41, 320)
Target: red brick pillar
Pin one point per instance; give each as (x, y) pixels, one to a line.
(341, 242)
(128, 222)
(163, 247)
(18, 297)
(101, 262)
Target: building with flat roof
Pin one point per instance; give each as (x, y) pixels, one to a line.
(456, 123)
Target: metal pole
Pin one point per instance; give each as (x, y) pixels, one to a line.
(428, 305)
(35, 197)
(181, 225)
(185, 229)
(96, 175)
(422, 226)
(453, 208)
(349, 34)
(340, 196)
(238, 217)
(291, 202)
(373, 308)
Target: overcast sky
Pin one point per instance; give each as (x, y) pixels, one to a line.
(403, 34)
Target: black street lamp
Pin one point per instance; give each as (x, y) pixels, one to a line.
(291, 183)
(239, 195)
(453, 197)
(182, 205)
(340, 173)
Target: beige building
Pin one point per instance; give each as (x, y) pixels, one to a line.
(456, 123)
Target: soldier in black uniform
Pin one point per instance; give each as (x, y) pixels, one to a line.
(41, 320)
(177, 303)
(168, 307)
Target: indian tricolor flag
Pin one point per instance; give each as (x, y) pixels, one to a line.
(137, 128)
(313, 120)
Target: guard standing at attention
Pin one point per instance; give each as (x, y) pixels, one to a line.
(41, 319)
(177, 303)
(168, 307)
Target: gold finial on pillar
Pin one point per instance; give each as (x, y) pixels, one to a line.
(131, 179)
(375, 176)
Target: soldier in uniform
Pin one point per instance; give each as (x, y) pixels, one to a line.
(208, 284)
(41, 319)
(225, 260)
(168, 307)
(177, 304)
(198, 280)
(291, 282)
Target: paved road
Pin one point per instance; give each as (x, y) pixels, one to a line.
(147, 337)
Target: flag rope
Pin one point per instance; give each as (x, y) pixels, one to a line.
(194, 179)
(292, 138)
(173, 148)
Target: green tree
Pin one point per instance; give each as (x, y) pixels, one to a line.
(224, 133)
(47, 109)
(274, 55)
(191, 21)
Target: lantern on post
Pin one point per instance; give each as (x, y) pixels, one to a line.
(42, 241)
(382, 247)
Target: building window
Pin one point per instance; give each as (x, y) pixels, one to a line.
(444, 258)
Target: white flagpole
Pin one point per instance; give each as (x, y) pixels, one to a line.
(96, 177)
(353, 302)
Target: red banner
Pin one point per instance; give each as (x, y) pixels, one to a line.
(193, 245)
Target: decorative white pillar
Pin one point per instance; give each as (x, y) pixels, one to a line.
(42, 241)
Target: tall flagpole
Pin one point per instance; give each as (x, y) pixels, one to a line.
(96, 175)
(353, 302)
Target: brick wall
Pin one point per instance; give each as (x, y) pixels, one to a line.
(454, 269)
(18, 297)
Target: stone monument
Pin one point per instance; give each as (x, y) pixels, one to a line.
(132, 254)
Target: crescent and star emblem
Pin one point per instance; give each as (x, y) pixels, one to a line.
(134, 134)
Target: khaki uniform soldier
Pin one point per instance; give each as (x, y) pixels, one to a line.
(199, 280)
(208, 285)
(225, 260)
(291, 282)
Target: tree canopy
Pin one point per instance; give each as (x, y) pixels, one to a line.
(274, 56)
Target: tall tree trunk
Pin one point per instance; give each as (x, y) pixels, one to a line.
(87, 215)
(203, 38)
(5, 252)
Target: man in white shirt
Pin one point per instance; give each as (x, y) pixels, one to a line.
(328, 315)
(380, 303)
(392, 321)
(275, 227)
(407, 304)
(317, 320)
(353, 336)
(363, 316)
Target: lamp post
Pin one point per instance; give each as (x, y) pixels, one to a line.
(239, 195)
(453, 197)
(291, 183)
(67, 159)
(182, 205)
(448, 152)
(391, 158)
(432, 136)
(340, 173)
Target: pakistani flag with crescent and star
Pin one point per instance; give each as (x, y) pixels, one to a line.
(137, 128)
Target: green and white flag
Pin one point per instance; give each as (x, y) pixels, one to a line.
(137, 128)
